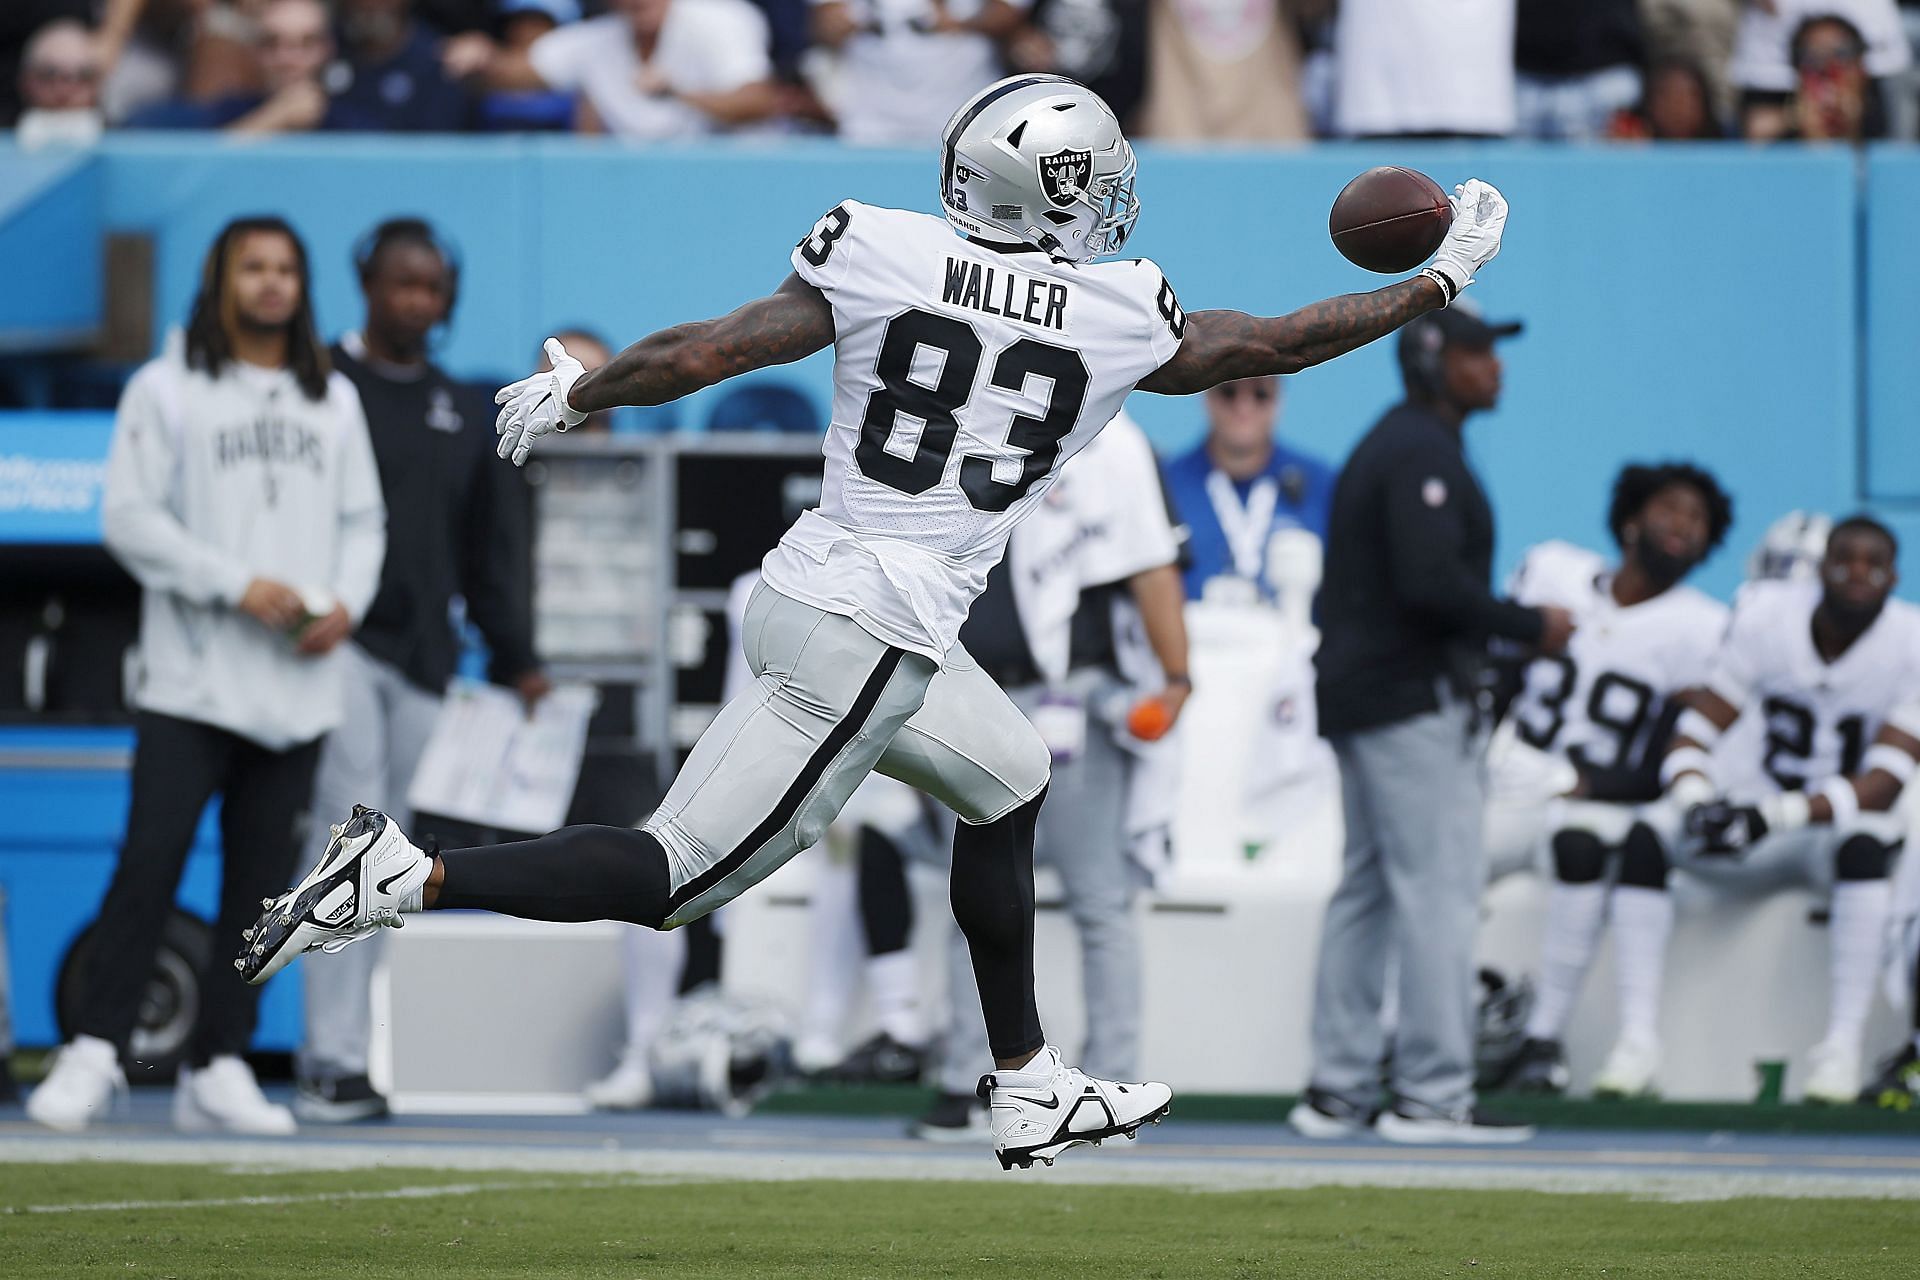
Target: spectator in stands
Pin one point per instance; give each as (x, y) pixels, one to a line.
(906, 65)
(1817, 68)
(19, 21)
(241, 492)
(1239, 486)
(652, 69)
(458, 526)
(1413, 68)
(1100, 43)
(1699, 32)
(1577, 66)
(1834, 99)
(521, 22)
(1405, 615)
(295, 45)
(1232, 72)
(60, 87)
(1676, 106)
(392, 73)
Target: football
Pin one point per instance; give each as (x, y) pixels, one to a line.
(1390, 219)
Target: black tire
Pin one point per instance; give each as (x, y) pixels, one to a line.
(168, 1009)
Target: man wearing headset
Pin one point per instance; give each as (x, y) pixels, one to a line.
(1405, 617)
(455, 528)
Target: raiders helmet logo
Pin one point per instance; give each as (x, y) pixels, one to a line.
(1064, 175)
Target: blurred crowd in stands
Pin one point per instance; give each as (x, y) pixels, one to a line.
(888, 72)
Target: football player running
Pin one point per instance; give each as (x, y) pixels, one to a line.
(1825, 665)
(967, 370)
(1593, 723)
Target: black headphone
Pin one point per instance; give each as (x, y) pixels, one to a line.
(367, 249)
(1422, 347)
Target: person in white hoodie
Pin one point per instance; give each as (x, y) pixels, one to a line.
(241, 492)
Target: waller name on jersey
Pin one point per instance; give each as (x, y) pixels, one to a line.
(1000, 292)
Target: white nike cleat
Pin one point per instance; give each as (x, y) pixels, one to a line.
(79, 1090)
(1629, 1071)
(1835, 1080)
(1046, 1107)
(223, 1097)
(369, 874)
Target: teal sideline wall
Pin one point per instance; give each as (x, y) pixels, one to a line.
(1703, 302)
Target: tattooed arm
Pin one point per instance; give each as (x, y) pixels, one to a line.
(793, 321)
(1223, 345)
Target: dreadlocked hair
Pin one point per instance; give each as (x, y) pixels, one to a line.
(1638, 483)
(210, 328)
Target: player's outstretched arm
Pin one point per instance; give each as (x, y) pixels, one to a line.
(1220, 346)
(793, 321)
(1223, 345)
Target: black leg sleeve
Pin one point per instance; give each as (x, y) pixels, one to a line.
(573, 874)
(993, 905)
(886, 907)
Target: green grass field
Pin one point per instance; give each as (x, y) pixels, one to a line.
(137, 1221)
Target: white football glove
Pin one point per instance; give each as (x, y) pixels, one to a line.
(1479, 220)
(537, 405)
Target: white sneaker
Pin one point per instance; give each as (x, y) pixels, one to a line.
(1046, 1107)
(1629, 1071)
(79, 1090)
(629, 1088)
(1410, 1122)
(1325, 1116)
(223, 1097)
(1835, 1079)
(368, 873)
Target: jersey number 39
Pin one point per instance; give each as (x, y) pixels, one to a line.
(959, 351)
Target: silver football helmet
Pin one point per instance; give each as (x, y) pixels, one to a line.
(1040, 160)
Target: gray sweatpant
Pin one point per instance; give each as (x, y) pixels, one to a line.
(831, 703)
(1082, 836)
(368, 760)
(1410, 881)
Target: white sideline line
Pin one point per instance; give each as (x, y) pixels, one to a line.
(658, 1166)
(317, 1197)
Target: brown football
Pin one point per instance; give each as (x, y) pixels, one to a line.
(1390, 219)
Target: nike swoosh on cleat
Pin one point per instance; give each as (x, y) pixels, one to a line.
(386, 886)
(1050, 1103)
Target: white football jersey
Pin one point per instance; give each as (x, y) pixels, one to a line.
(1597, 703)
(963, 380)
(1813, 719)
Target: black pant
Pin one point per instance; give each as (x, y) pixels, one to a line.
(178, 765)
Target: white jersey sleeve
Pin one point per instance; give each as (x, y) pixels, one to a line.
(1126, 529)
(965, 377)
(823, 255)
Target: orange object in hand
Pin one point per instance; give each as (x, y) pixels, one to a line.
(1149, 719)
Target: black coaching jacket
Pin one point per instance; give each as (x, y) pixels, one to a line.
(458, 524)
(1404, 600)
